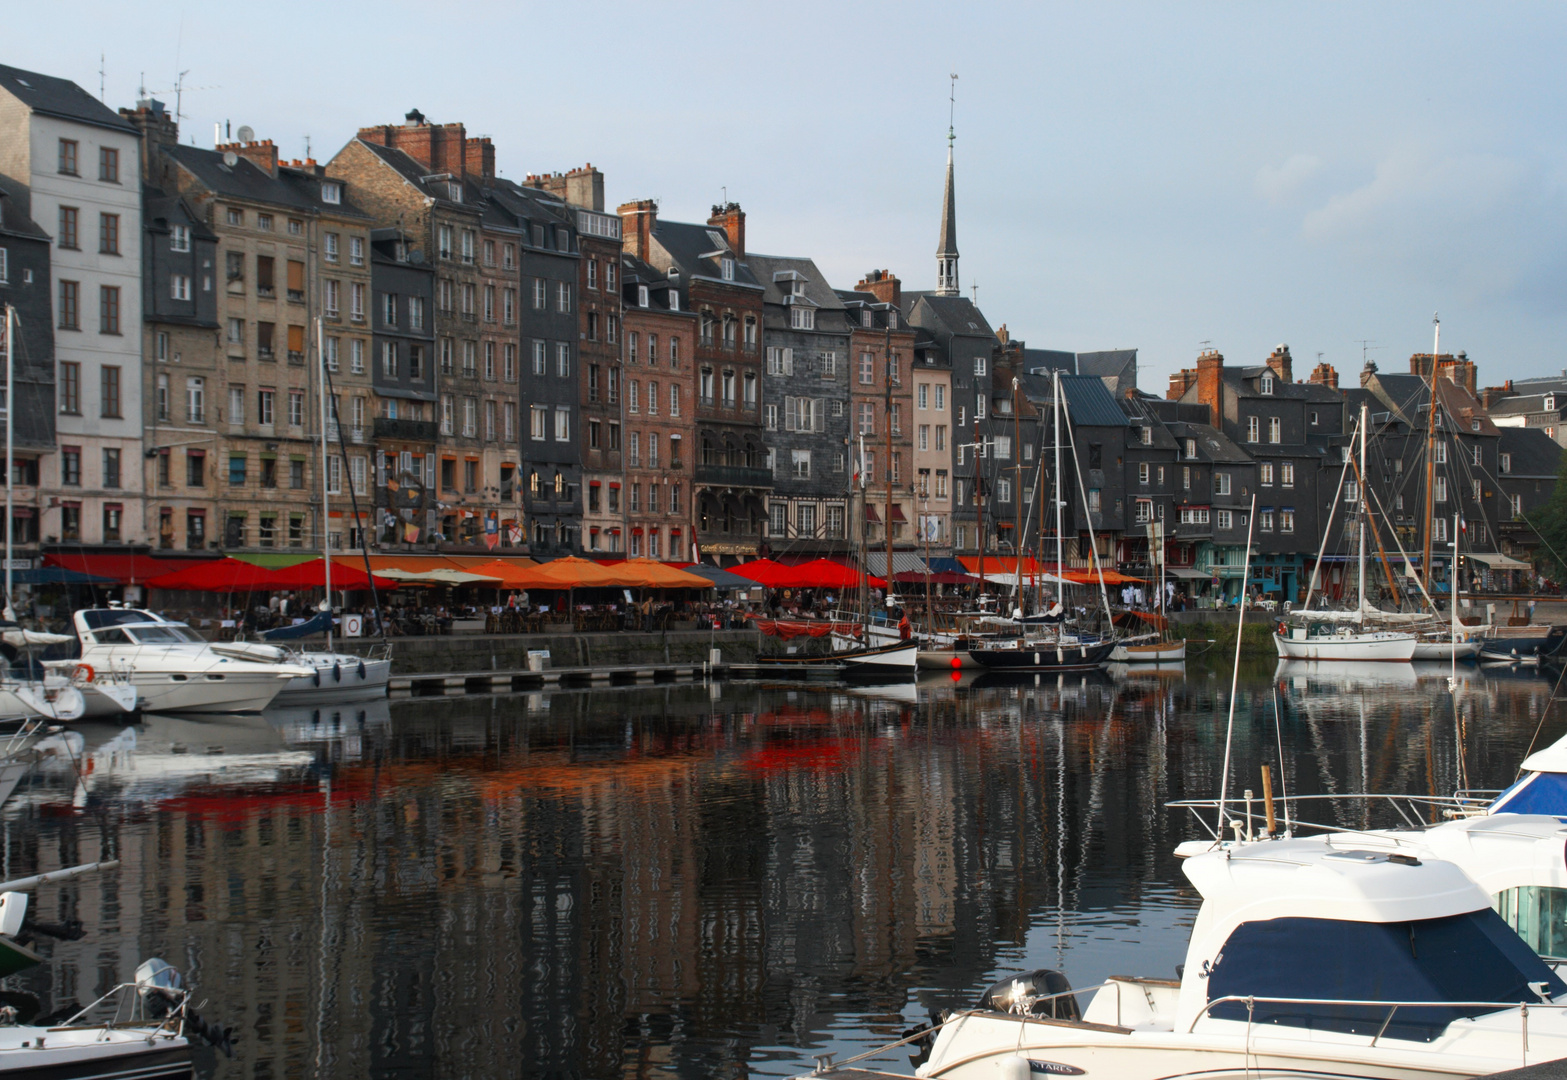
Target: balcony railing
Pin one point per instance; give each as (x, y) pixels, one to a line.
(734, 476)
(413, 430)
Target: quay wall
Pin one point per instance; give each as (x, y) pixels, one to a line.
(509, 652)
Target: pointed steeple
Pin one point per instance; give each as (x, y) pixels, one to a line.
(947, 249)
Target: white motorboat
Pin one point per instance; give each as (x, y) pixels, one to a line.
(1308, 957)
(173, 668)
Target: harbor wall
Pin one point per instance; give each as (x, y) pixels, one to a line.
(509, 652)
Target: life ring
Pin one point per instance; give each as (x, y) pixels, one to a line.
(87, 671)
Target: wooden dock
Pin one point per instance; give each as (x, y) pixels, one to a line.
(454, 683)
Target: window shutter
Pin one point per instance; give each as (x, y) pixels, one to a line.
(296, 276)
(789, 424)
(788, 361)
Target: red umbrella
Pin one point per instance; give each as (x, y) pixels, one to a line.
(219, 575)
(828, 574)
(765, 572)
(312, 575)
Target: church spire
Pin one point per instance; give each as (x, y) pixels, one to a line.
(947, 249)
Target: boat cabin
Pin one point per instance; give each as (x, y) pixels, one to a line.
(1329, 919)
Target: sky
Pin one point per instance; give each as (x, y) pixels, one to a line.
(1166, 177)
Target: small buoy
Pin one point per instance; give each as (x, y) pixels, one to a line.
(315, 677)
(361, 669)
(957, 662)
(337, 672)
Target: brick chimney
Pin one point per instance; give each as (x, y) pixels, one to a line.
(637, 220)
(730, 218)
(441, 148)
(883, 285)
(262, 154)
(1180, 382)
(1324, 374)
(479, 158)
(1280, 363)
(1492, 394)
(1210, 384)
(585, 188)
(158, 130)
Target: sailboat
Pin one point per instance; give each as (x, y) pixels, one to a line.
(1343, 635)
(334, 676)
(1051, 646)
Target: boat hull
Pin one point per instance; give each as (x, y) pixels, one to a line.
(1376, 646)
(900, 659)
(337, 678)
(1077, 656)
(56, 702)
(1153, 652)
(224, 692)
(1446, 650)
(67, 1053)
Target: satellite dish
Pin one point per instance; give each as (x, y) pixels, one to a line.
(230, 158)
(246, 133)
(416, 256)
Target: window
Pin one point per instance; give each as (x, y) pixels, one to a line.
(727, 269)
(1267, 384)
(941, 437)
(1475, 490)
(538, 419)
(264, 222)
(867, 424)
(562, 423)
(1506, 461)
(802, 319)
(111, 467)
(356, 301)
(1351, 491)
(109, 384)
(489, 419)
(296, 408)
(652, 398)
(1265, 519)
(562, 297)
(196, 400)
(237, 463)
(266, 399)
(1224, 519)
(1274, 433)
(443, 241)
(109, 310)
(979, 406)
(1441, 489)
(509, 416)
(800, 464)
(356, 356)
(1001, 446)
(867, 368)
(1004, 490)
(179, 287)
(68, 156)
(1474, 455)
(1439, 452)
(1186, 477)
(1094, 500)
(563, 360)
(470, 417)
(1251, 429)
(470, 358)
(113, 514)
(236, 405)
(1143, 473)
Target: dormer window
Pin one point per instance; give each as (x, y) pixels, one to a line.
(1191, 448)
(332, 192)
(454, 191)
(1147, 436)
(892, 319)
(1267, 384)
(728, 269)
(865, 317)
(642, 296)
(674, 300)
(1550, 402)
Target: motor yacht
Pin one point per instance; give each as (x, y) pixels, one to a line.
(173, 668)
(1318, 956)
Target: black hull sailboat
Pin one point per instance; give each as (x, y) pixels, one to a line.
(1069, 654)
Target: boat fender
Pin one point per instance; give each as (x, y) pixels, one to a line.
(361, 669)
(337, 671)
(1014, 1067)
(1016, 994)
(315, 678)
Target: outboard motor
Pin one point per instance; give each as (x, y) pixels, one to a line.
(1030, 994)
(159, 986)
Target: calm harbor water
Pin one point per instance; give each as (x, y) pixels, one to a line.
(685, 880)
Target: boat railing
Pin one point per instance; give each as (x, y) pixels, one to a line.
(130, 1010)
(1251, 1001)
(825, 1063)
(1411, 809)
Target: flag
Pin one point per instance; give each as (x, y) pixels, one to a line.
(391, 485)
(411, 534)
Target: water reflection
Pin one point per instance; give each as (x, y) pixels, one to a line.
(685, 880)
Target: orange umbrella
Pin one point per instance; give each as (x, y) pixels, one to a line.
(650, 573)
(508, 575)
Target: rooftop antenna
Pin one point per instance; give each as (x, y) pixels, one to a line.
(1205, 343)
(974, 288)
(725, 199)
(1366, 346)
(100, 74)
(307, 146)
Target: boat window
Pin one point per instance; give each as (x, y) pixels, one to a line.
(160, 635)
(112, 636)
(1471, 957)
(1537, 793)
(1539, 915)
(100, 617)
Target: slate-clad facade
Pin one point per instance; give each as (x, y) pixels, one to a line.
(806, 357)
(397, 417)
(24, 286)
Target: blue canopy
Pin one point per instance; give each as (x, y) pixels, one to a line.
(58, 575)
(315, 625)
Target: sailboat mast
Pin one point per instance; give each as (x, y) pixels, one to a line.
(979, 509)
(888, 373)
(1055, 494)
(10, 444)
(1360, 570)
(1436, 349)
(326, 515)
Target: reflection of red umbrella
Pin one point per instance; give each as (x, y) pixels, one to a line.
(219, 575)
(311, 574)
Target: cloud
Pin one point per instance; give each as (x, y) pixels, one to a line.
(1485, 224)
(1277, 184)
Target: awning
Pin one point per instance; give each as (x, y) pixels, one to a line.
(125, 569)
(1187, 573)
(1497, 562)
(897, 513)
(56, 575)
(871, 515)
(903, 562)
